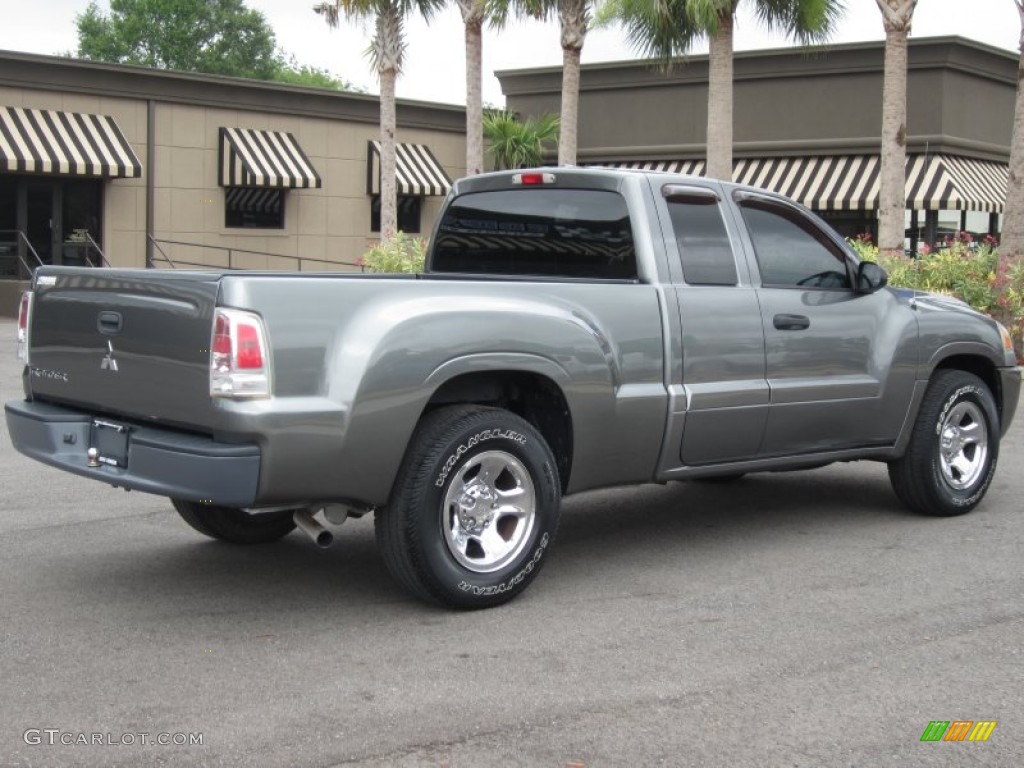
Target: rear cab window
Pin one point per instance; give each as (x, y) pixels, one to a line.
(705, 252)
(554, 233)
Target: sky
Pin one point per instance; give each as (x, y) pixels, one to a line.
(435, 63)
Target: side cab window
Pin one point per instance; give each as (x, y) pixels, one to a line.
(700, 234)
(791, 250)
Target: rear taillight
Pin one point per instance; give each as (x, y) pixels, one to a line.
(239, 364)
(24, 313)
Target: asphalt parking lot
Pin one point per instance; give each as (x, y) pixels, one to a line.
(799, 619)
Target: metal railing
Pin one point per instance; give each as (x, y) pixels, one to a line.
(12, 255)
(229, 260)
(14, 245)
(82, 246)
(96, 247)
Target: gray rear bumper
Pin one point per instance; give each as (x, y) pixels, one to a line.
(167, 463)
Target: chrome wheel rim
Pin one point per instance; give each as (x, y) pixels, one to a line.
(489, 511)
(963, 446)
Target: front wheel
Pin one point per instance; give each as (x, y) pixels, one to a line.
(474, 508)
(234, 526)
(953, 449)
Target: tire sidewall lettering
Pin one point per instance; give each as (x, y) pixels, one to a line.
(486, 434)
(515, 581)
(953, 399)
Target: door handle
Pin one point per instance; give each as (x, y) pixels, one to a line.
(109, 323)
(792, 322)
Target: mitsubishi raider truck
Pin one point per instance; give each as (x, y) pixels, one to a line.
(573, 328)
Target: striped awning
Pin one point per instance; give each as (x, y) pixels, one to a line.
(59, 143)
(829, 183)
(850, 182)
(951, 182)
(416, 170)
(257, 158)
(688, 167)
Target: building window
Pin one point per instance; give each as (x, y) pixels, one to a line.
(408, 213)
(253, 208)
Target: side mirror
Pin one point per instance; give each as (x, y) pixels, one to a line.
(871, 277)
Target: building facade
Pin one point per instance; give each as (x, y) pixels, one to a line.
(131, 167)
(807, 123)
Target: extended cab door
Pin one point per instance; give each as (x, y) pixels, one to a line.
(721, 343)
(840, 363)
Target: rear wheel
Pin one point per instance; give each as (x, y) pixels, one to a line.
(474, 508)
(234, 525)
(952, 454)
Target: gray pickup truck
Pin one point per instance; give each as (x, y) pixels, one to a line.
(574, 328)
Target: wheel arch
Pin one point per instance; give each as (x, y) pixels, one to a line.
(532, 388)
(978, 364)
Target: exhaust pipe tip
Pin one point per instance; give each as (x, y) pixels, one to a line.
(310, 526)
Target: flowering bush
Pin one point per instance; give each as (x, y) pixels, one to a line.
(973, 272)
(402, 253)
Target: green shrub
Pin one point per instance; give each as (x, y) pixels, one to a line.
(402, 254)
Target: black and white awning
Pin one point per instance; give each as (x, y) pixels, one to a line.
(850, 182)
(52, 142)
(257, 158)
(951, 182)
(416, 170)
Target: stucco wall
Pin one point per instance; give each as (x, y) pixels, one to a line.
(960, 97)
(331, 223)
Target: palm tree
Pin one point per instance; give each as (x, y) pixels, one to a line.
(665, 29)
(1012, 237)
(473, 13)
(513, 143)
(892, 199)
(574, 20)
(386, 52)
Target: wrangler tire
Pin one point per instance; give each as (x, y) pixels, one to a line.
(474, 509)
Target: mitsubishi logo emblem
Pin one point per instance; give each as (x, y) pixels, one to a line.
(108, 363)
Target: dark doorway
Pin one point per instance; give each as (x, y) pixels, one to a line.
(56, 219)
(8, 228)
(81, 214)
(41, 224)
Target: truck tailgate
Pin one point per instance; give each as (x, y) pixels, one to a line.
(126, 344)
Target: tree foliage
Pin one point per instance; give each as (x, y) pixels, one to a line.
(219, 37)
(665, 29)
(515, 143)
